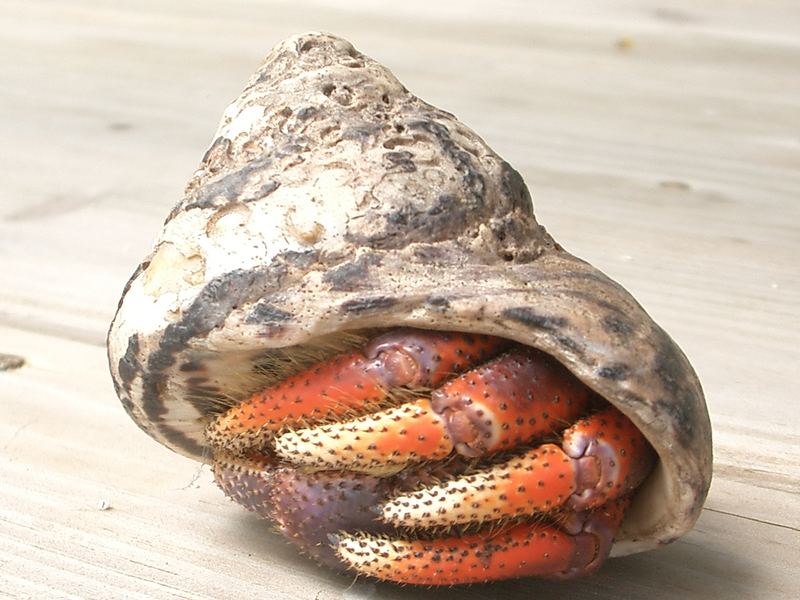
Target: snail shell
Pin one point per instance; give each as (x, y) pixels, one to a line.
(333, 200)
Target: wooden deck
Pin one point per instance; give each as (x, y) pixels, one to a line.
(661, 144)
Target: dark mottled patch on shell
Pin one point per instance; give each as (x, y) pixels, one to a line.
(265, 190)
(440, 302)
(472, 177)
(571, 344)
(181, 440)
(299, 259)
(681, 414)
(679, 402)
(218, 150)
(201, 393)
(353, 275)
(359, 305)
(615, 371)
(129, 365)
(307, 112)
(631, 399)
(594, 299)
(362, 133)
(439, 218)
(430, 252)
(400, 160)
(210, 309)
(191, 366)
(265, 313)
(514, 188)
(617, 325)
(231, 187)
(530, 318)
(448, 212)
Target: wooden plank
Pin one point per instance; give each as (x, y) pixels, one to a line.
(660, 144)
(90, 507)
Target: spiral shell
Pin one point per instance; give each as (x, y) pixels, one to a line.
(332, 200)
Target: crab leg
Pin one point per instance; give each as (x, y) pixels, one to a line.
(519, 396)
(351, 382)
(514, 551)
(602, 457)
(306, 507)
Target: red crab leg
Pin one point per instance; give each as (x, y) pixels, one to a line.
(406, 357)
(521, 395)
(515, 551)
(602, 457)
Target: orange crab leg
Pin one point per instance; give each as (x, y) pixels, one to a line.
(519, 396)
(378, 443)
(603, 457)
(516, 551)
(622, 456)
(410, 358)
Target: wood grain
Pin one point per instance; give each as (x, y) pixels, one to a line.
(660, 143)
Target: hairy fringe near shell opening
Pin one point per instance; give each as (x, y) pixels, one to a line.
(249, 374)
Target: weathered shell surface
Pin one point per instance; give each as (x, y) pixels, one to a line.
(333, 199)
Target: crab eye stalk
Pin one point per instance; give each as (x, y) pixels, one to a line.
(354, 316)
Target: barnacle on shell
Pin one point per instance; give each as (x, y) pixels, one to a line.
(333, 203)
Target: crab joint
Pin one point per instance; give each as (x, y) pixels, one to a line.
(603, 458)
(354, 382)
(519, 396)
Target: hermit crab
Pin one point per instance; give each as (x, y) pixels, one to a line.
(355, 318)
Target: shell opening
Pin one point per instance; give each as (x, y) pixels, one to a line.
(648, 504)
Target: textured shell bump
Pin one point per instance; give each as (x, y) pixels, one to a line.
(333, 200)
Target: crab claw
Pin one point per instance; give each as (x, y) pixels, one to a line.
(510, 400)
(603, 458)
(352, 382)
(520, 550)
